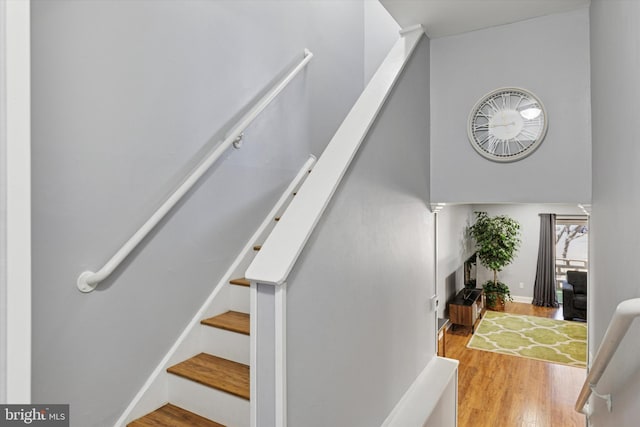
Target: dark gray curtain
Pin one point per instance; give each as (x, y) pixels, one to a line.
(544, 288)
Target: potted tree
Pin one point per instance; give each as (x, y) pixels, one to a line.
(497, 241)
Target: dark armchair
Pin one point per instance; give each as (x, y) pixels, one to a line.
(574, 296)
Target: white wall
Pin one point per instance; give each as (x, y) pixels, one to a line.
(360, 329)
(615, 37)
(380, 33)
(454, 248)
(125, 95)
(15, 203)
(547, 55)
(3, 213)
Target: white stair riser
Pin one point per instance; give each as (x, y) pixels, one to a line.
(223, 408)
(239, 298)
(226, 344)
(220, 303)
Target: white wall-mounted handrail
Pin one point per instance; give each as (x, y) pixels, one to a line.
(88, 280)
(622, 318)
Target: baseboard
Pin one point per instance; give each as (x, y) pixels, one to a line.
(525, 300)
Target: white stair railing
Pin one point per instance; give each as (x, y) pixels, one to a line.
(88, 280)
(622, 318)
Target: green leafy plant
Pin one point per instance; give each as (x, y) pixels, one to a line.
(496, 293)
(497, 241)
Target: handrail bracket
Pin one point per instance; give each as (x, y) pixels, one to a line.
(83, 282)
(237, 143)
(605, 397)
(621, 320)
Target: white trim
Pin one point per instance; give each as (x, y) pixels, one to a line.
(280, 252)
(423, 396)
(412, 28)
(253, 375)
(437, 207)
(16, 22)
(522, 299)
(436, 270)
(281, 355)
(3, 211)
(586, 208)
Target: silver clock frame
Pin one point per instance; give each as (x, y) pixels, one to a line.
(516, 156)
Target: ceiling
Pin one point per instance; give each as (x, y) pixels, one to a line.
(448, 17)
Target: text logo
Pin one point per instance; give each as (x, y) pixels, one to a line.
(34, 415)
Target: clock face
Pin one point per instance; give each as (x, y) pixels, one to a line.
(507, 124)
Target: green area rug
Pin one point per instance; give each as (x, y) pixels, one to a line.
(549, 340)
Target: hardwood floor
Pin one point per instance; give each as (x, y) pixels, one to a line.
(496, 390)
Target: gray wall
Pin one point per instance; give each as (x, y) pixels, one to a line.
(125, 94)
(380, 33)
(615, 37)
(359, 324)
(454, 248)
(547, 55)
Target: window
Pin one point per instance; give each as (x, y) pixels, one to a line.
(572, 245)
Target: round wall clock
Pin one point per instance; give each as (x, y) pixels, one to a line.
(507, 124)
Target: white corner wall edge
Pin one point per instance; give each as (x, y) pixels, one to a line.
(423, 396)
(154, 392)
(16, 106)
(281, 250)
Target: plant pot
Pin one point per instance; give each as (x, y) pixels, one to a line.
(495, 301)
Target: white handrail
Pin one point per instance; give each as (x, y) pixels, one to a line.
(624, 315)
(88, 280)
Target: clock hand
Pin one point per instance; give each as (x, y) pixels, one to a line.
(504, 125)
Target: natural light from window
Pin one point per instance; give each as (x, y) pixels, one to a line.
(572, 246)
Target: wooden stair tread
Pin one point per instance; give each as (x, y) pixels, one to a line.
(172, 416)
(213, 371)
(240, 282)
(233, 321)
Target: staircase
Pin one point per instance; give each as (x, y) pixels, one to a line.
(211, 388)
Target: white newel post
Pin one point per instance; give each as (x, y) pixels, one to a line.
(268, 355)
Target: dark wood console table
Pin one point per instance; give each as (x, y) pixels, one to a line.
(467, 308)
